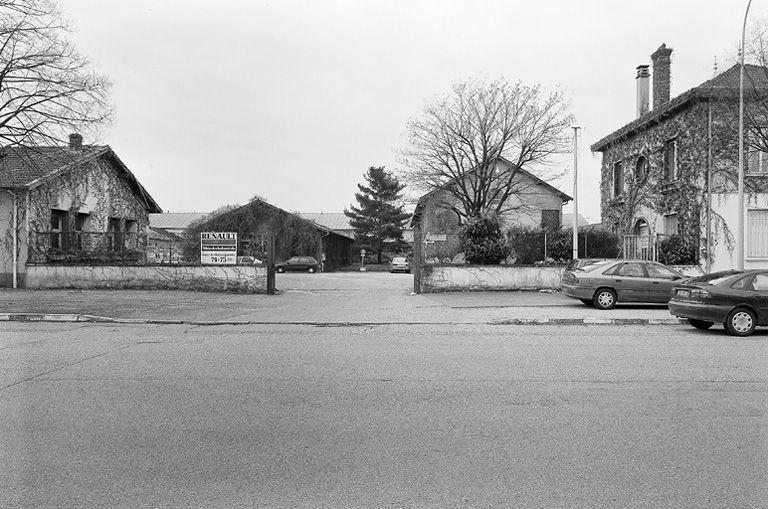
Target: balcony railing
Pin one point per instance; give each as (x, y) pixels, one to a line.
(73, 247)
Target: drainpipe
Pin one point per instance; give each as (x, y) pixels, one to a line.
(15, 237)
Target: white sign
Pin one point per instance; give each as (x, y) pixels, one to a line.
(218, 248)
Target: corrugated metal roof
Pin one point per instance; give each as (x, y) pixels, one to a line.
(174, 220)
(331, 220)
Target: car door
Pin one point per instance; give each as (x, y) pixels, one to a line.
(660, 282)
(760, 285)
(630, 281)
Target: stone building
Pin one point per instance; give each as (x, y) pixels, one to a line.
(67, 204)
(670, 176)
(533, 203)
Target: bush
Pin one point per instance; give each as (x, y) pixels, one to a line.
(676, 250)
(527, 244)
(482, 241)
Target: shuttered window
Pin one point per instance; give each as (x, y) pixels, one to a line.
(757, 233)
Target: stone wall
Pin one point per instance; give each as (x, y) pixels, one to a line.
(452, 278)
(238, 278)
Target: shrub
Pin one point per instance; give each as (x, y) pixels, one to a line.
(676, 250)
(527, 244)
(482, 241)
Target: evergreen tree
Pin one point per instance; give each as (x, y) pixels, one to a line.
(377, 215)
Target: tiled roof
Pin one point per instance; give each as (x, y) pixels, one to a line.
(31, 166)
(331, 220)
(174, 220)
(724, 85)
(20, 166)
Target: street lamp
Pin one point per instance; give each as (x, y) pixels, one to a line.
(576, 191)
(740, 222)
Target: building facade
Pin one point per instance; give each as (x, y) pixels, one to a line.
(669, 177)
(67, 204)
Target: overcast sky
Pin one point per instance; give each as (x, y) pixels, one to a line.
(218, 101)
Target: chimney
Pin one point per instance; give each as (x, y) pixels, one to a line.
(661, 75)
(642, 80)
(76, 141)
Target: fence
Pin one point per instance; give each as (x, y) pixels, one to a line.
(80, 247)
(668, 249)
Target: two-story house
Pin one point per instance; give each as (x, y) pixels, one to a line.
(669, 177)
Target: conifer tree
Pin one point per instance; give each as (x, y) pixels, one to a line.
(378, 215)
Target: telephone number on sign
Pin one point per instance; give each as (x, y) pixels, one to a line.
(221, 259)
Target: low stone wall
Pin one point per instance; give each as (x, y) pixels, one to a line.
(232, 278)
(456, 278)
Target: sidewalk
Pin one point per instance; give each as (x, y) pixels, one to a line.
(319, 307)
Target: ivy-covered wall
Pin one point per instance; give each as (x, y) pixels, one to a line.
(648, 194)
(96, 189)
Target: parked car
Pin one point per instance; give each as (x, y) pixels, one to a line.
(399, 264)
(605, 283)
(299, 264)
(580, 263)
(738, 299)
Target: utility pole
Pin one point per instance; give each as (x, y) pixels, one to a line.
(575, 192)
(740, 222)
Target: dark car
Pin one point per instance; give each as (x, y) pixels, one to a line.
(607, 282)
(736, 298)
(399, 264)
(299, 264)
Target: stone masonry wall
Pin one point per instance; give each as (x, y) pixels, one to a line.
(239, 278)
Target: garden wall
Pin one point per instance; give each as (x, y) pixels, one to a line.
(456, 278)
(459, 278)
(236, 278)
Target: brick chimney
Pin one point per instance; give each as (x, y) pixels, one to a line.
(643, 92)
(76, 141)
(661, 75)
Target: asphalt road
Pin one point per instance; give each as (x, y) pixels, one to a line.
(102, 415)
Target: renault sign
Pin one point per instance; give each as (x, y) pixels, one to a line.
(218, 248)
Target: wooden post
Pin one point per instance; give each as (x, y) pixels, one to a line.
(418, 257)
(270, 264)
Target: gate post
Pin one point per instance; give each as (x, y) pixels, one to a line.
(418, 256)
(270, 264)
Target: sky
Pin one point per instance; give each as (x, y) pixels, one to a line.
(292, 100)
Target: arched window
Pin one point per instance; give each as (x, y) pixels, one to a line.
(641, 169)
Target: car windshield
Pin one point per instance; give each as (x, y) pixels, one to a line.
(715, 278)
(398, 259)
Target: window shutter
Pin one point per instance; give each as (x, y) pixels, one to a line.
(757, 233)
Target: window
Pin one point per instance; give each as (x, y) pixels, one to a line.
(82, 222)
(58, 227)
(757, 233)
(670, 160)
(550, 219)
(618, 179)
(757, 161)
(659, 271)
(670, 224)
(630, 269)
(115, 234)
(760, 283)
(641, 168)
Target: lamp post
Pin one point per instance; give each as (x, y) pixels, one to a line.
(576, 191)
(740, 221)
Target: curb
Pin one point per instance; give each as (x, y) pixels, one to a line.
(69, 317)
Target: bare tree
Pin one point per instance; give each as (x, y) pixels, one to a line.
(459, 141)
(47, 89)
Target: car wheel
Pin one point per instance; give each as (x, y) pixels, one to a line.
(280, 270)
(586, 302)
(700, 324)
(604, 298)
(740, 322)
(311, 270)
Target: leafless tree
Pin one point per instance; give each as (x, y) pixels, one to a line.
(459, 140)
(47, 89)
